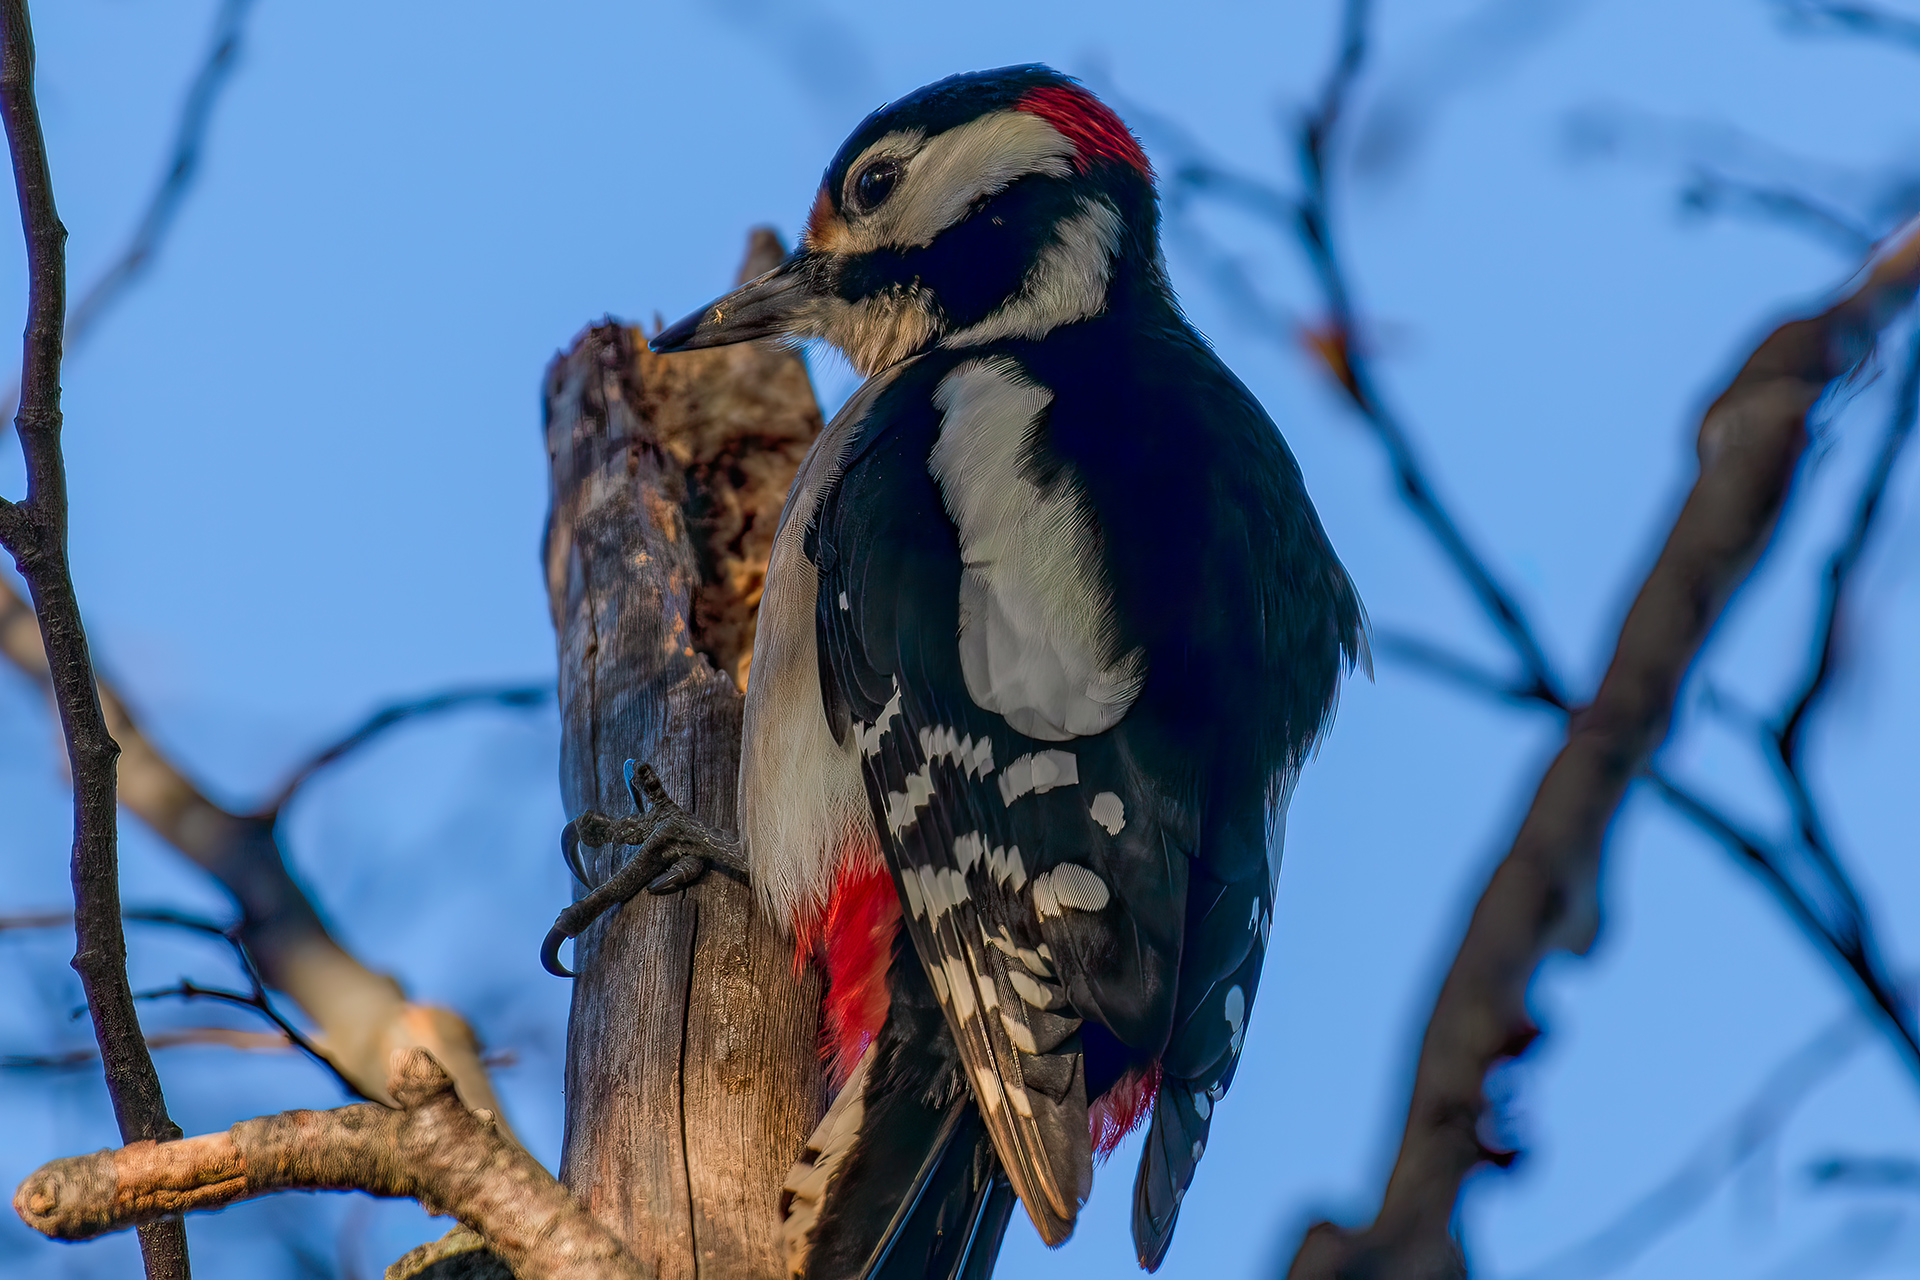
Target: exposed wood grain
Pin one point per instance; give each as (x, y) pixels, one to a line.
(692, 1072)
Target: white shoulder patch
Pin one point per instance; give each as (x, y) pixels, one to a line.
(1037, 631)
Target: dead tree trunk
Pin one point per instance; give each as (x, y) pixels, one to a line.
(692, 1073)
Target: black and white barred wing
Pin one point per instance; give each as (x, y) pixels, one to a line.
(1034, 870)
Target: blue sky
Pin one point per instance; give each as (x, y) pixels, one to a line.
(307, 479)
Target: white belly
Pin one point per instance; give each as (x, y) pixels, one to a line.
(802, 798)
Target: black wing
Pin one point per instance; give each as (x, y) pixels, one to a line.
(1036, 875)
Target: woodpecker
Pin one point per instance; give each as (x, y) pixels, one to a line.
(1049, 628)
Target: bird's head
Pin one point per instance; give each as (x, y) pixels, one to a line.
(992, 205)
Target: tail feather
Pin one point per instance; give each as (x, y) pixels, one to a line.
(1175, 1143)
(900, 1180)
(947, 1228)
(989, 1229)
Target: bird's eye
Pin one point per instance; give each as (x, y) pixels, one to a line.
(876, 183)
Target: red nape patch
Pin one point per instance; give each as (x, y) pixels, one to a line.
(1089, 124)
(1119, 1111)
(855, 937)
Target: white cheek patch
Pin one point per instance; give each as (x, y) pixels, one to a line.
(1067, 283)
(944, 175)
(1038, 637)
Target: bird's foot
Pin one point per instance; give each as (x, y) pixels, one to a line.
(673, 850)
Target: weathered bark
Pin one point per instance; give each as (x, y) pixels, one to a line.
(692, 1074)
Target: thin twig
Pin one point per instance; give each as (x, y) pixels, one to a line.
(1438, 660)
(519, 695)
(37, 539)
(258, 998)
(178, 1038)
(362, 1015)
(1339, 344)
(1848, 942)
(1870, 21)
(1346, 356)
(1711, 191)
(1545, 894)
(257, 1001)
(183, 166)
(1844, 560)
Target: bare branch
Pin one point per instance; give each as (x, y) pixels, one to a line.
(256, 998)
(1439, 661)
(377, 724)
(1845, 932)
(1846, 559)
(1711, 191)
(1544, 895)
(430, 1149)
(258, 1002)
(183, 166)
(1866, 1173)
(1870, 21)
(38, 544)
(1346, 358)
(363, 1016)
(1725, 170)
(179, 1037)
(1841, 925)
(1482, 44)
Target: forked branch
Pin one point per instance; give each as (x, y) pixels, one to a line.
(1544, 895)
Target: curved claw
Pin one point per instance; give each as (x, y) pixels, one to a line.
(570, 850)
(683, 874)
(550, 954)
(656, 816)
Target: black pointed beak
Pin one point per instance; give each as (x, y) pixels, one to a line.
(763, 307)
